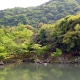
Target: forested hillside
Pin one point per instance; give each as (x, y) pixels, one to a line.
(55, 31)
(64, 34)
(48, 12)
(24, 41)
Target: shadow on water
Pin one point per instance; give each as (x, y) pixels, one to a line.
(40, 72)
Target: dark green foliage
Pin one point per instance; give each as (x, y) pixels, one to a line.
(43, 37)
(72, 40)
(67, 32)
(46, 13)
(64, 34)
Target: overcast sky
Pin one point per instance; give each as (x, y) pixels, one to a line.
(4, 4)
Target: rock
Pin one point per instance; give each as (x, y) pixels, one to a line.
(45, 64)
(1, 63)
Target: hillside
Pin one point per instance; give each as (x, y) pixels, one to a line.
(48, 12)
(64, 34)
(48, 40)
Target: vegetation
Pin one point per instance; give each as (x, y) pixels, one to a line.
(13, 40)
(63, 37)
(19, 40)
(47, 13)
(24, 41)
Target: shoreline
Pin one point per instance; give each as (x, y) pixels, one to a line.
(11, 61)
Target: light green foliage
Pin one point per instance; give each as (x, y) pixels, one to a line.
(2, 49)
(29, 47)
(57, 53)
(3, 55)
(2, 52)
(77, 27)
(39, 50)
(12, 40)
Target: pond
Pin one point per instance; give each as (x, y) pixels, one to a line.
(32, 71)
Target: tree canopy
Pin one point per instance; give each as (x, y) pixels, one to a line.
(48, 12)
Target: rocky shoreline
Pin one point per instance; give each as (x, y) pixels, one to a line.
(63, 61)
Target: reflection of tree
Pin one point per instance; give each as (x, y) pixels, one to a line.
(29, 72)
(57, 72)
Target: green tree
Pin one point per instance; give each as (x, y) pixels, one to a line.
(57, 53)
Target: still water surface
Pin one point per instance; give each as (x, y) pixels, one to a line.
(40, 72)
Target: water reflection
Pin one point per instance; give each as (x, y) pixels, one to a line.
(40, 72)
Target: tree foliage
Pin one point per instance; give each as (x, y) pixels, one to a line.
(64, 34)
(18, 37)
(48, 12)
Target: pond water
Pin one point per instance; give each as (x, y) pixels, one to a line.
(31, 71)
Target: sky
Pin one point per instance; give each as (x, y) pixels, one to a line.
(4, 4)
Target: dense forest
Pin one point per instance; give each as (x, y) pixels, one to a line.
(48, 13)
(57, 33)
(48, 40)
